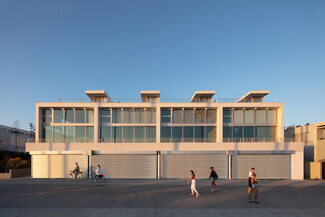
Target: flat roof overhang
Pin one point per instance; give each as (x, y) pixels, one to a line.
(254, 93)
(93, 94)
(203, 94)
(149, 93)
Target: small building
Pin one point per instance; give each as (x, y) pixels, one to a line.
(313, 138)
(12, 139)
(153, 137)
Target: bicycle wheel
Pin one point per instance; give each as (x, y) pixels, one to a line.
(102, 179)
(80, 176)
(69, 177)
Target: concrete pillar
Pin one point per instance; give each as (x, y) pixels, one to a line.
(220, 124)
(280, 124)
(96, 123)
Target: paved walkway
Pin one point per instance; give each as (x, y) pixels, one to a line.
(57, 197)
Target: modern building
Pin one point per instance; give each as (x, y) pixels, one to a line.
(12, 139)
(155, 138)
(313, 138)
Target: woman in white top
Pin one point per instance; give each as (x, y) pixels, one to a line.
(98, 172)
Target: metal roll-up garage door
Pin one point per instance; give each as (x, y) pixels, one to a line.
(57, 166)
(126, 166)
(179, 165)
(267, 166)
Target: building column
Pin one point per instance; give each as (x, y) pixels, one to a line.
(219, 124)
(280, 125)
(96, 123)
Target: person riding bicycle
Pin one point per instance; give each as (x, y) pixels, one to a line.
(76, 171)
(98, 173)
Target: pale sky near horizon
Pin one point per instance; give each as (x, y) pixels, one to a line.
(58, 49)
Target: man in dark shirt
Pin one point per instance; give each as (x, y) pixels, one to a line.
(213, 177)
(252, 188)
(76, 171)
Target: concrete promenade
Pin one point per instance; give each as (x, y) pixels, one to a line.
(58, 197)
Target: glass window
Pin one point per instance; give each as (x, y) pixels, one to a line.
(226, 112)
(227, 116)
(237, 134)
(211, 116)
(69, 116)
(47, 117)
(165, 112)
(210, 134)
(57, 134)
(150, 134)
(165, 119)
(127, 134)
(117, 134)
(188, 134)
(270, 134)
(249, 116)
(105, 112)
(177, 134)
(271, 116)
(248, 134)
(89, 116)
(189, 116)
(58, 116)
(105, 119)
(89, 134)
(48, 112)
(165, 134)
(139, 116)
(139, 134)
(200, 116)
(151, 116)
(238, 116)
(80, 116)
(80, 134)
(260, 116)
(127, 116)
(259, 134)
(227, 134)
(199, 134)
(226, 119)
(69, 134)
(47, 133)
(177, 116)
(117, 116)
(105, 134)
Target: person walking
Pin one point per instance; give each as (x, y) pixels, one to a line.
(193, 184)
(213, 177)
(252, 188)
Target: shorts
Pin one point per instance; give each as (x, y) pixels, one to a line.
(252, 190)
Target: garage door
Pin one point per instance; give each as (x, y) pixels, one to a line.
(179, 165)
(126, 166)
(57, 166)
(266, 166)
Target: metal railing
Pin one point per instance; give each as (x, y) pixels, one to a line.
(60, 140)
(221, 100)
(73, 100)
(271, 139)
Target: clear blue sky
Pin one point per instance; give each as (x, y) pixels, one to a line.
(51, 49)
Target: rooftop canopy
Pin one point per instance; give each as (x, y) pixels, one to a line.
(150, 95)
(98, 95)
(254, 96)
(203, 96)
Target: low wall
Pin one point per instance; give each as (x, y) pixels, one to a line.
(15, 173)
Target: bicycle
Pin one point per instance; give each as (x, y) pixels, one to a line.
(71, 176)
(99, 178)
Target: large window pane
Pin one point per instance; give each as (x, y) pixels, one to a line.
(176, 134)
(238, 116)
(165, 112)
(105, 134)
(210, 134)
(249, 116)
(47, 133)
(227, 114)
(211, 116)
(188, 134)
(80, 134)
(69, 134)
(188, 116)
(139, 116)
(127, 116)
(80, 116)
(69, 116)
(270, 134)
(199, 134)
(105, 119)
(89, 134)
(117, 116)
(150, 134)
(271, 116)
(151, 116)
(248, 134)
(165, 134)
(139, 134)
(89, 116)
(105, 112)
(58, 116)
(237, 134)
(227, 134)
(165, 119)
(127, 134)
(200, 116)
(177, 116)
(260, 116)
(259, 134)
(117, 134)
(57, 134)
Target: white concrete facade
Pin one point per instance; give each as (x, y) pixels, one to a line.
(150, 100)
